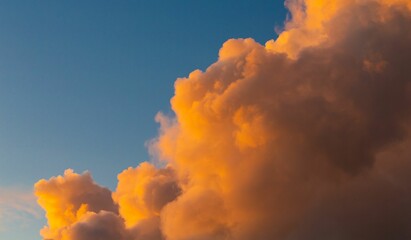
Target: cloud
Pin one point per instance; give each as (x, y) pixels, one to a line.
(305, 137)
(70, 198)
(103, 226)
(79, 209)
(17, 206)
(142, 192)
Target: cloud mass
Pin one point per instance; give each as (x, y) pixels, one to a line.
(305, 137)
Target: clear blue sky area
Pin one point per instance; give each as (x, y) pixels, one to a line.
(81, 81)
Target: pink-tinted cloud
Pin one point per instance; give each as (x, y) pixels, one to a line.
(17, 206)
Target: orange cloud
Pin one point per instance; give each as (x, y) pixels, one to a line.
(305, 137)
(141, 194)
(68, 199)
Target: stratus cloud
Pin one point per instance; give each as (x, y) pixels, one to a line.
(307, 137)
(17, 207)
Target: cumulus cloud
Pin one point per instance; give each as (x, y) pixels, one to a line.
(305, 137)
(146, 197)
(142, 193)
(70, 198)
(79, 209)
(103, 226)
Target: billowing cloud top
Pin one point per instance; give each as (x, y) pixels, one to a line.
(306, 137)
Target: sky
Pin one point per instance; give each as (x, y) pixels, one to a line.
(81, 83)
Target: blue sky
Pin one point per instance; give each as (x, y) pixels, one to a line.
(81, 82)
